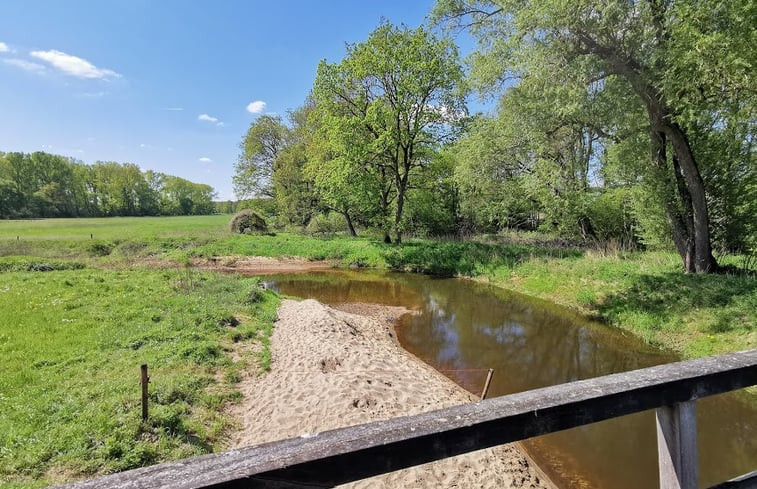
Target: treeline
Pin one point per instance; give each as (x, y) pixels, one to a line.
(622, 122)
(47, 185)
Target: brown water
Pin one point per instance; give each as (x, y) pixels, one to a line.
(464, 328)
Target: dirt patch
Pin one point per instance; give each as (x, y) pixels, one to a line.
(259, 265)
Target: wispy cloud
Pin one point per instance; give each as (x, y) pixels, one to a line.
(99, 94)
(204, 159)
(174, 109)
(4, 48)
(256, 107)
(25, 65)
(209, 118)
(73, 65)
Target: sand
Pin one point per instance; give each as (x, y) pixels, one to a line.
(332, 368)
(258, 265)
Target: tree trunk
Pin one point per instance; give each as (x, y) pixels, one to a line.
(398, 215)
(662, 121)
(350, 226)
(680, 232)
(704, 262)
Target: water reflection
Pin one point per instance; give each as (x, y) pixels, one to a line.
(463, 328)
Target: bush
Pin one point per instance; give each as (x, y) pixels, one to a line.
(248, 221)
(326, 224)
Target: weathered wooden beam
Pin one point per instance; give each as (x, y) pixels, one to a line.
(677, 446)
(746, 481)
(338, 456)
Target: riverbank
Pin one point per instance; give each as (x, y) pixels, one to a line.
(332, 368)
(645, 293)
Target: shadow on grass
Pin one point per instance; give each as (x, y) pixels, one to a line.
(732, 299)
(465, 258)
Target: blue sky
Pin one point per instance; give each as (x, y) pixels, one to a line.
(167, 84)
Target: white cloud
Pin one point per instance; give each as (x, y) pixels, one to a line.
(4, 48)
(25, 65)
(204, 159)
(73, 65)
(210, 118)
(206, 117)
(174, 109)
(256, 107)
(94, 94)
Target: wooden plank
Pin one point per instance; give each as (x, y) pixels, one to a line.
(746, 481)
(347, 454)
(677, 446)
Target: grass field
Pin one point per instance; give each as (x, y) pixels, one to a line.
(72, 338)
(113, 228)
(72, 342)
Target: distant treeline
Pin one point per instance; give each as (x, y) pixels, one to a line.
(47, 185)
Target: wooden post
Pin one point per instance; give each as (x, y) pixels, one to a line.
(677, 446)
(486, 384)
(145, 380)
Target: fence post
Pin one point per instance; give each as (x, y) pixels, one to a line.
(677, 446)
(486, 384)
(144, 381)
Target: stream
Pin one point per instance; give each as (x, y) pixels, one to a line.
(462, 328)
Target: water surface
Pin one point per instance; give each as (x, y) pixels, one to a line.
(463, 328)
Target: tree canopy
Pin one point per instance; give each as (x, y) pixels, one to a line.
(46, 185)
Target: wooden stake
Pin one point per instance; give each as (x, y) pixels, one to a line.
(145, 380)
(486, 384)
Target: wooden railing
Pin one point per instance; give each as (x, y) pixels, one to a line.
(348, 454)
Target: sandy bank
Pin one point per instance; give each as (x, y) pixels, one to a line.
(333, 368)
(259, 265)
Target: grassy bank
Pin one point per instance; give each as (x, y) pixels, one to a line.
(72, 341)
(645, 293)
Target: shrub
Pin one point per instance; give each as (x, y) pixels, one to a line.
(248, 221)
(326, 224)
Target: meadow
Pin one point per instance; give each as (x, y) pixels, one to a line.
(72, 339)
(83, 304)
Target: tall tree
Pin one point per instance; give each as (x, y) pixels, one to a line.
(261, 145)
(640, 43)
(387, 108)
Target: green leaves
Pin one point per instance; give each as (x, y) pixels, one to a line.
(384, 110)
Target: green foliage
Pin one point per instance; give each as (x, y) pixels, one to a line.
(592, 81)
(248, 221)
(261, 145)
(69, 398)
(382, 113)
(326, 224)
(45, 185)
(31, 264)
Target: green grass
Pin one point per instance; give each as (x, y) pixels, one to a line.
(647, 294)
(71, 343)
(111, 228)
